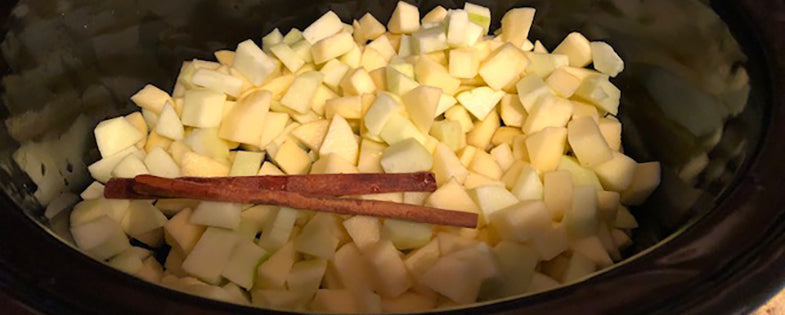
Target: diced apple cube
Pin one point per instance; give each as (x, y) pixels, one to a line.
(550, 111)
(253, 63)
(479, 15)
(452, 196)
(292, 159)
(428, 40)
(299, 96)
(580, 174)
(242, 264)
(558, 192)
(160, 163)
(577, 48)
(181, 234)
(100, 238)
(463, 63)
(591, 247)
(552, 242)
(405, 19)
(327, 25)
(581, 218)
(406, 156)
(605, 59)
(332, 47)
(512, 112)
(480, 101)
(492, 198)
(272, 273)
(578, 267)
(115, 135)
(421, 104)
(388, 269)
(483, 163)
(454, 278)
(129, 167)
(546, 147)
(446, 165)
(482, 133)
(527, 185)
(246, 163)
(203, 108)
(274, 124)
(516, 24)
(217, 81)
(617, 173)
(407, 235)
(643, 184)
(287, 56)
(531, 88)
(587, 142)
(151, 98)
(596, 89)
(210, 254)
(398, 129)
(218, 214)
(367, 28)
(522, 221)
(563, 83)
(517, 264)
(503, 66)
(193, 164)
(357, 82)
(429, 72)
(278, 230)
(169, 124)
(460, 115)
(340, 140)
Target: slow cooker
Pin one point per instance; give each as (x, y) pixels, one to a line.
(702, 92)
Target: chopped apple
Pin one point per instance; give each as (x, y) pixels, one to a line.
(193, 164)
(367, 28)
(557, 192)
(292, 159)
(522, 221)
(242, 264)
(287, 56)
(581, 218)
(516, 24)
(272, 273)
(428, 40)
(318, 237)
(492, 198)
(246, 163)
(407, 235)
(398, 129)
(253, 63)
(479, 15)
(512, 112)
(531, 88)
(406, 156)
(480, 101)
(527, 185)
(332, 47)
(169, 124)
(273, 126)
(578, 267)
(552, 242)
(340, 140)
(482, 133)
(388, 269)
(550, 111)
(587, 142)
(546, 147)
(129, 167)
(405, 19)
(181, 234)
(160, 163)
(210, 254)
(300, 94)
(577, 48)
(463, 63)
(580, 174)
(218, 81)
(596, 89)
(447, 166)
(203, 108)
(563, 83)
(115, 135)
(429, 72)
(327, 25)
(454, 278)
(241, 124)
(605, 59)
(151, 98)
(643, 184)
(503, 66)
(218, 214)
(421, 104)
(617, 173)
(277, 231)
(357, 82)
(591, 247)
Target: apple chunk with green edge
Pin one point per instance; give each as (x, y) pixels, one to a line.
(407, 235)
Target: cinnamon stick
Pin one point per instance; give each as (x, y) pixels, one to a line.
(177, 188)
(317, 185)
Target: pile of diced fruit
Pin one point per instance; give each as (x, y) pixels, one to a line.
(524, 137)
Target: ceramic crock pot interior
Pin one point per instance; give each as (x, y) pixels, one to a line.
(696, 95)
